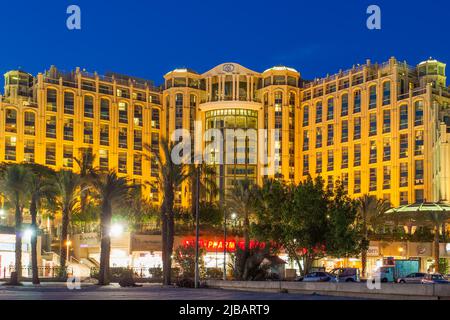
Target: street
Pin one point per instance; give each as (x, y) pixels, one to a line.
(59, 291)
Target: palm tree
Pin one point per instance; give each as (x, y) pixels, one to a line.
(67, 184)
(171, 176)
(85, 164)
(14, 183)
(41, 189)
(111, 190)
(241, 200)
(371, 212)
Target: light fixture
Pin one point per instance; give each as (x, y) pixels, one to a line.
(116, 230)
(2, 212)
(27, 234)
(233, 215)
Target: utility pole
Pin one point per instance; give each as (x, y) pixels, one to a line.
(197, 200)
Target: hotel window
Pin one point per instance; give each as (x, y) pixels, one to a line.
(88, 132)
(305, 116)
(403, 174)
(10, 148)
(403, 117)
(305, 140)
(344, 161)
(386, 121)
(357, 182)
(178, 111)
(122, 165)
(192, 110)
(50, 154)
(11, 120)
(386, 149)
(123, 112)
(330, 160)
(319, 137)
(68, 156)
(28, 150)
(403, 145)
(69, 102)
(89, 106)
(104, 135)
(373, 179)
(319, 112)
(372, 124)
(278, 111)
(318, 162)
(51, 100)
(344, 133)
(50, 123)
(154, 168)
(138, 115)
(403, 197)
(373, 151)
(305, 164)
(345, 181)
(418, 175)
(330, 109)
(30, 122)
(357, 155)
(137, 164)
(155, 118)
(386, 93)
(104, 109)
(344, 105)
(357, 128)
(68, 129)
(123, 137)
(357, 101)
(386, 177)
(330, 135)
(419, 195)
(155, 142)
(137, 139)
(418, 113)
(103, 160)
(372, 97)
(330, 183)
(418, 143)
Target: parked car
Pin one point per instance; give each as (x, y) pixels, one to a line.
(432, 278)
(415, 277)
(316, 277)
(345, 275)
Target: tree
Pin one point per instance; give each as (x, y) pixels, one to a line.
(42, 190)
(344, 237)
(111, 190)
(14, 185)
(67, 184)
(171, 176)
(87, 171)
(139, 210)
(241, 200)
(208, 184)
(370, 215)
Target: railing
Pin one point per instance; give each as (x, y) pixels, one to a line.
(43, 272)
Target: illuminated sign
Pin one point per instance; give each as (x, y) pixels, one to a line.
(218, 245)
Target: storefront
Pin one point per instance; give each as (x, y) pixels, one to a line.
(8, 258)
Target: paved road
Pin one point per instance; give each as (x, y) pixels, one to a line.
(59, 291)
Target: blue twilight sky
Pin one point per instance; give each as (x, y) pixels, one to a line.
(149, 38)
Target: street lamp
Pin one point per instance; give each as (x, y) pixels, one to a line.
(197, 200)
(233, 217)
(68, 244)
(116, 230)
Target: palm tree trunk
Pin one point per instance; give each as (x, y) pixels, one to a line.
(436, 248)
(15, 278)
(34, 262)
(363, 262)
(63, 251)
(105, 244)
(170, 239)
(166, 268)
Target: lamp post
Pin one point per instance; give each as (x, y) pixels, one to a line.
(68, 244)
(196, 278)
(224, 244)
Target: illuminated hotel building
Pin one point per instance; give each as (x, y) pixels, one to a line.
(382, 129)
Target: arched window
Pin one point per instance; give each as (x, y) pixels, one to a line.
(89, 106)
(51, 99)
(11, 120)
(69, 102)
(344, 104)
(305, 115)
(386, 93)
(330, 109)
(178, 111)
(319, 112)
(357, 101)
(372, 97)
(138, 115)
(123, 112)
(104, 109)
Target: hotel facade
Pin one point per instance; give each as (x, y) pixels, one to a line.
(382, 129)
